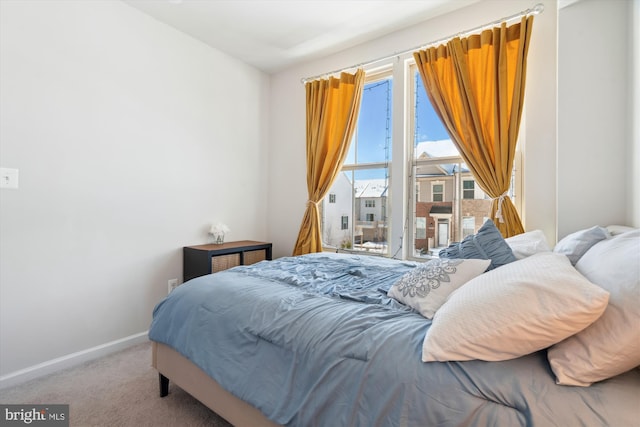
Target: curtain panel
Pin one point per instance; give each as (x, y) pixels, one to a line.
(333, 105)
(476, 86)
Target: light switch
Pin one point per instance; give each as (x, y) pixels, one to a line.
(8, 178)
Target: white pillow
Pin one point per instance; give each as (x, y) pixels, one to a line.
(514, 310)
(618, 229)
(426, 287)
(611, 345)
(527, 244)
(577, 244)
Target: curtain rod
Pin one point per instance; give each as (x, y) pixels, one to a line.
(535, 10)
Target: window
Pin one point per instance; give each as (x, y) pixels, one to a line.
(363, 184)
(421, 227)
(446, 193)
(345, 222)
(442, 203)
(468, 226)
(437, 192)
(468, 189)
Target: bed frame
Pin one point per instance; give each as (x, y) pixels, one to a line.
(172, 366)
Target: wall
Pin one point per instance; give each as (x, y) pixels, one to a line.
(130, 138)
(287, 121)
(595, 171)
(634, 113)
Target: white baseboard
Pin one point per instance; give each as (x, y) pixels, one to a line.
(70, 360)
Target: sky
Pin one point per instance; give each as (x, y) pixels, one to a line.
(374, 125)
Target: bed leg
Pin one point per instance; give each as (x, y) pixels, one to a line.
(164, 385)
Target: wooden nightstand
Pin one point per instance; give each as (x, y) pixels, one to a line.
(206, 259)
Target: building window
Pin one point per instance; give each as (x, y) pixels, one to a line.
(468, 189)
(345, 222)
(468, 226)
(369, 203)
(332, 198)
(437, 192)
(421, 227)
(370, 217)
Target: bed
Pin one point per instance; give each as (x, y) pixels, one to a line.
(348, 340)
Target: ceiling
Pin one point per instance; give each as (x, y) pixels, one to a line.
(274, 34)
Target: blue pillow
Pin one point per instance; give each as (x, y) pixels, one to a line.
(487, 243)
(577, 244)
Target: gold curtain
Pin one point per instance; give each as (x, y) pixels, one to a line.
(332, 113)
(476, 86)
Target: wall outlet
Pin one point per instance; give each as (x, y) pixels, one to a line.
(8, 178)
(171, 285)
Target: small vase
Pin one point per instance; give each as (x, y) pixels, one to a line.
(217, 238)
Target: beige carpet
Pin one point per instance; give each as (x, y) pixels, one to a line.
(117, 390)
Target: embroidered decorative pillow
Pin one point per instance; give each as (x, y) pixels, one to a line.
(487, 243)
(426, 287)
(514, 310)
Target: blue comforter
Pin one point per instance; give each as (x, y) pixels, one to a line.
(315, 341)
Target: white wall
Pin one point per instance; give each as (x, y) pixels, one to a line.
(634, 113)
(130, 138)
(595, 139)
(287, 121)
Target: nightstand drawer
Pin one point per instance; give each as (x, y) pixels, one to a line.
(251, 257)
(223, 262)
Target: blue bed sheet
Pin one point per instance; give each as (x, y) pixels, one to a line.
(314, 341)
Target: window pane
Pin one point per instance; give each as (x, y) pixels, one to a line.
(370, 233)
(468, 189)
(333, 212)
(460, 206)
(357, 217)
(421, 227)
(371, 143)
(468, 226)
(431, 139)
(435, 182)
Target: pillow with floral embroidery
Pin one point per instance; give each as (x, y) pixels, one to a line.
(427, 287)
